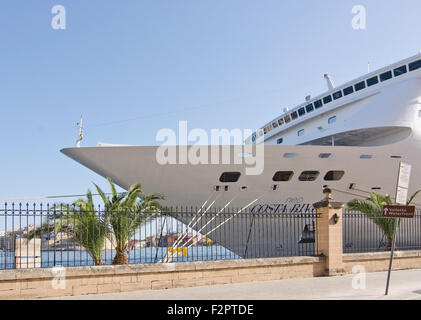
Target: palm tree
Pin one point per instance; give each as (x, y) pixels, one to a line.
(85, 226)
(79, 222)
(373, 208)
(125, 213)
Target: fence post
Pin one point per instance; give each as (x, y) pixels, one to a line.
(329, 233)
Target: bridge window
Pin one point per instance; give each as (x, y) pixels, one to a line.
(283, 176)
(318, 104)
(275, 124)
(294, 115)
(280, 141)
(400, 71)
(359, 86)
(300, 132)
(308, 175)
(415, 65)
(334, 175)
(372, 81)
(287, 118)
(327, 100)
(337, 95)
(309, 108)
(281, 122)
(301, 111)
(386, 76)
(331, 120)
(229, 177)
(348, 90)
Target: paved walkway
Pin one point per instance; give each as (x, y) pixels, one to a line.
(404, 285)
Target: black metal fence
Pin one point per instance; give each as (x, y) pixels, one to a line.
(47, 236)
(361, 234)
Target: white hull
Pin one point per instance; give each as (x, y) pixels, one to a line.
(376, 129)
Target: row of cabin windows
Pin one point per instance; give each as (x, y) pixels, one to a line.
(339, 94)
(301, 132)
(285, 176)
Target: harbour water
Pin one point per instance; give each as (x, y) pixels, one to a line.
(51, 258)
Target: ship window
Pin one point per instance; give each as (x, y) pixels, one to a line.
(337, 95)
(287, 118)
(294, 115)
(308, 175)
(325, 155)
(399, 71)
(270, 128)
(281, 122)
(327, 99)
(309, 108)
(334, 175)
(366, 156)
(372, 81)
(300, 132)
(318, 104)
(301, 111)
(229, 177)
(386, 76)
(415, 65)
(265, 130)
(275, 124)
(291, 155)
(283, 176)
(348, 90)
(359, 86)
(331, 120)
(280, 141)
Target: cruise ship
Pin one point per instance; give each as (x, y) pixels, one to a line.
(352, 139)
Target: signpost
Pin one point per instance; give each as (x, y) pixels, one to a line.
(397, 212)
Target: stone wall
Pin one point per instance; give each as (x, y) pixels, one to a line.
(37, 283)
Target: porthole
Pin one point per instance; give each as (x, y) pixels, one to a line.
(334, 175)
(229, 177)
(282, 176)
(325, 155)
(290, 155)
(308, 175)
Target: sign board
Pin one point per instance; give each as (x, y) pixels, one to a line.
(403, 183)
(398, 211)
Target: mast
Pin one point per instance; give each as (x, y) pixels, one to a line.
(80, 126)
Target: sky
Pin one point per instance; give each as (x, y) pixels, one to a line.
(133, 67)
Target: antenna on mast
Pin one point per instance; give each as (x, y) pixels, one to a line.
(80, 126)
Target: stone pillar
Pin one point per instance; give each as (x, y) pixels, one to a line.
(329, 233)
(27, 253)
